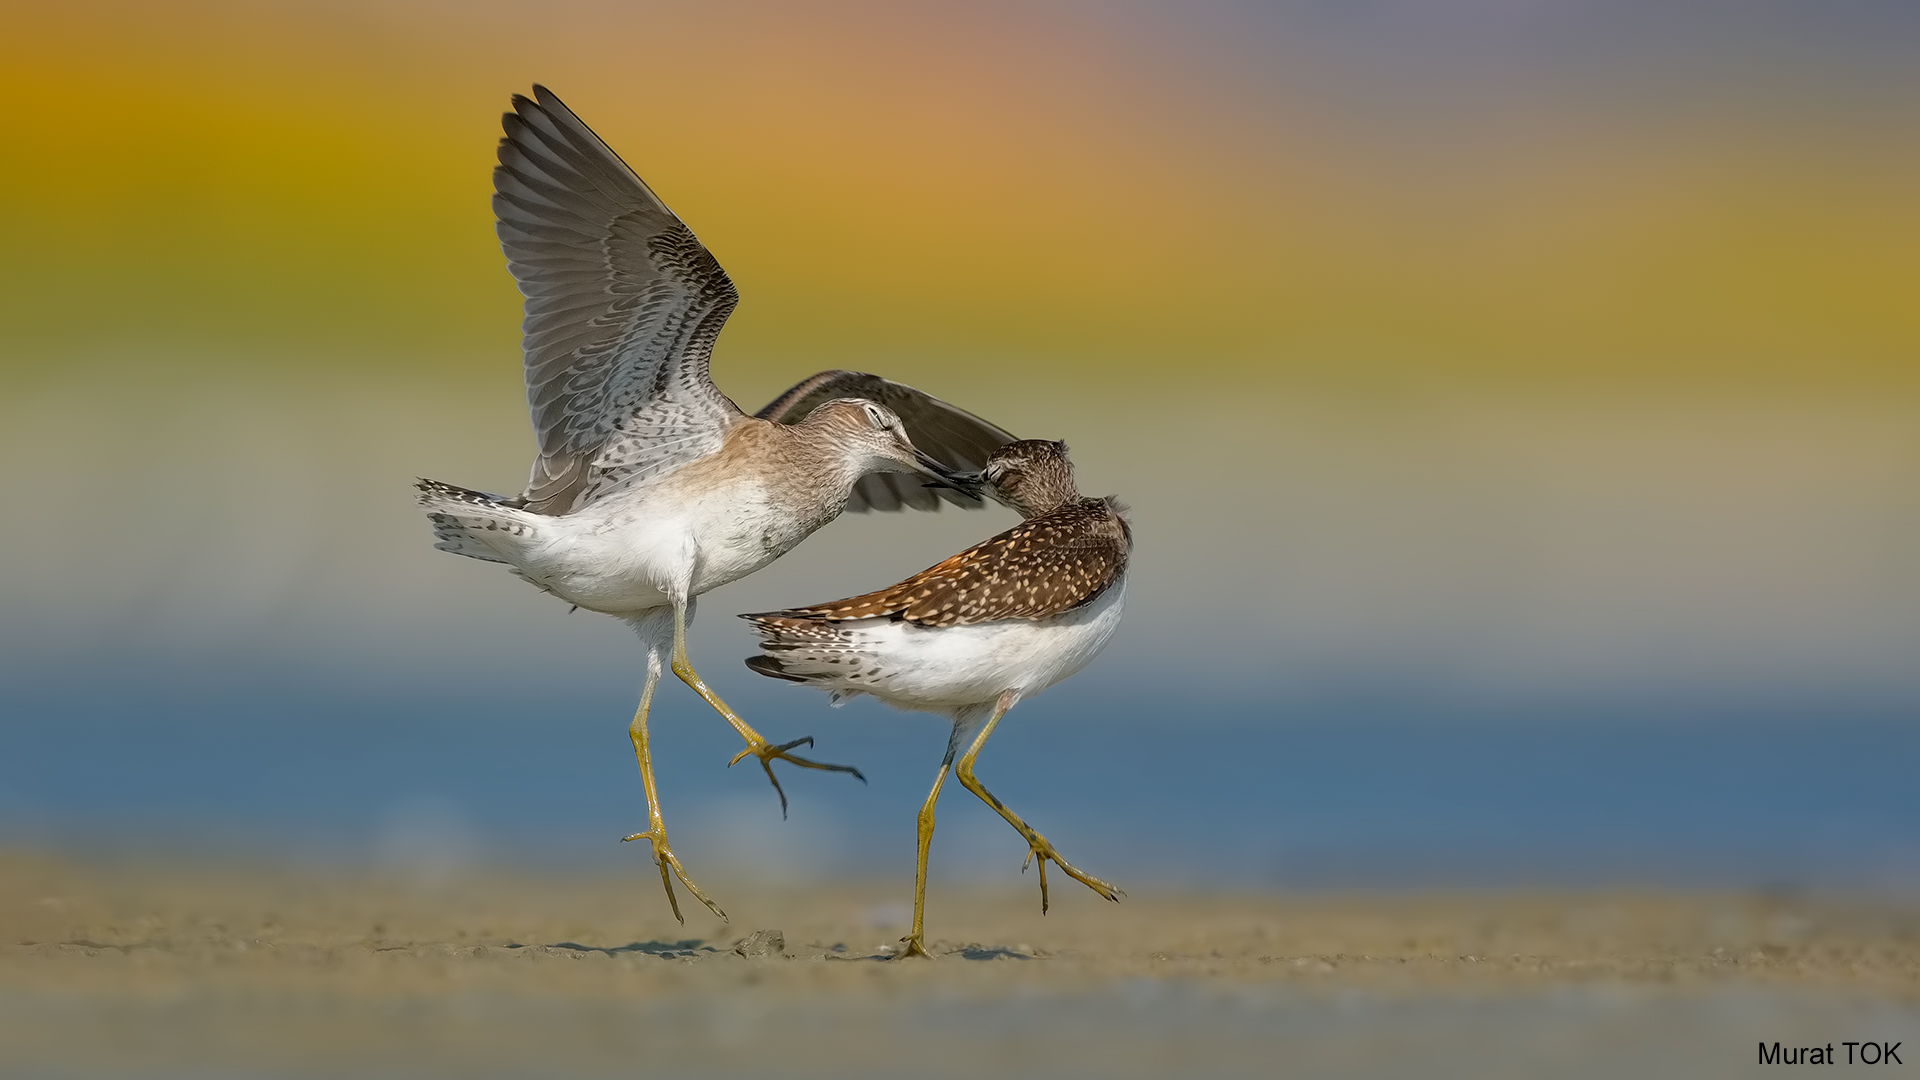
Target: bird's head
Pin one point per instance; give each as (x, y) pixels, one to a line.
(874, 440)
(1032, 476)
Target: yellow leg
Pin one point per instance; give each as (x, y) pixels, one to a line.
(915, 943)
(656, 833)
(757, 746)
(1037, 846)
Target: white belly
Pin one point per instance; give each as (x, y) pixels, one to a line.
(623, 556)
(938, 669)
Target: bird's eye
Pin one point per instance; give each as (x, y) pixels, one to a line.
(875, 417)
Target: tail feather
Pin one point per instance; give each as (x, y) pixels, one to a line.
(471, 523)
(435, 492)
(771, 668)
(811, 651)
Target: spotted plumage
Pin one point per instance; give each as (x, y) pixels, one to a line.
(1040, 568)
(1066, 553)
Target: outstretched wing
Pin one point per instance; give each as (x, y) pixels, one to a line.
(954, 437)
(622, 307)
(1039, 568)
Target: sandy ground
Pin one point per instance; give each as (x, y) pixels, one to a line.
(117, 970)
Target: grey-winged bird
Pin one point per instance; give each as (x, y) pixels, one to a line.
(971, 637)
(651, 487)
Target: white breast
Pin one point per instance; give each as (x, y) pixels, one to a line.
(621, 555)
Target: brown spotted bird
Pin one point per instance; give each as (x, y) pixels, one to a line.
(970, 638)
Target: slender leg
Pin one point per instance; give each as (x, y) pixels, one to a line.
(915, 943)
(656, 833)
(756, 745)
(1037, 846)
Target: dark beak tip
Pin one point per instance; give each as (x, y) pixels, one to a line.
(940, 476)
(968, 484)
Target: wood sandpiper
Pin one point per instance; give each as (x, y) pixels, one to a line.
(651, 487)
(973, 636)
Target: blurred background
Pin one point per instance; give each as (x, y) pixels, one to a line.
(1519, 404)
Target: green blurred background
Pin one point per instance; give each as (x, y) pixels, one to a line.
(1520, 404)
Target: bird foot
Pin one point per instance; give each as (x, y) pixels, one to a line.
(1039, 849)
(664, 858)
(768, 753)
(912, 945)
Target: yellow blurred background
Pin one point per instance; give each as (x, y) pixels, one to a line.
(1544, 194)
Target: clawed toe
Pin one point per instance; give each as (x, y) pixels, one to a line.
(1038, 850)
(768, 753)
(670, 868)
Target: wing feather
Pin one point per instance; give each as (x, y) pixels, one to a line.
(622, 308)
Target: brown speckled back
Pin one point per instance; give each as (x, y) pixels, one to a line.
(1068, 551)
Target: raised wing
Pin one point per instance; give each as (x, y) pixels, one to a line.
(954, 437)
(622, 307)
(1039, 568)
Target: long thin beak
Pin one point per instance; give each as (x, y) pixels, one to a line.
(939, 476)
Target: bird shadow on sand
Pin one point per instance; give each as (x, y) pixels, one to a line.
(698, 948)
(988, 952)
(944, 951)
(688, 947)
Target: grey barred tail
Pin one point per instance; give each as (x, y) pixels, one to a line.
(435, 493)
(461, 515)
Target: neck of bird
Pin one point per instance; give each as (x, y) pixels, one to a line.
(1035, 503)
(826, 468)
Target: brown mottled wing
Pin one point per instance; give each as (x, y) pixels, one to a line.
(622, 308)
(1039, 568)
(954, 437)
